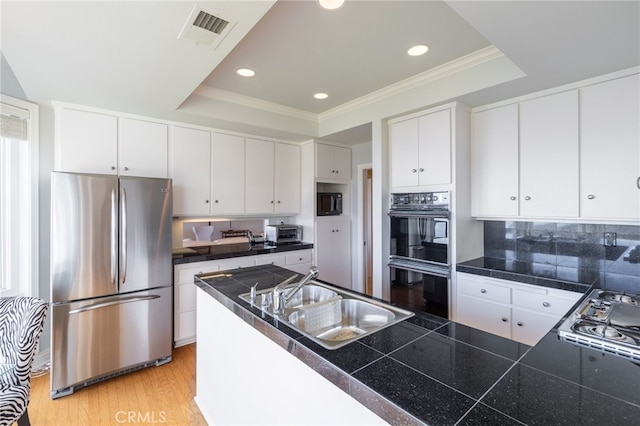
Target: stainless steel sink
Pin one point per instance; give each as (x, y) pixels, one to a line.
(309, 295)
(332, 317)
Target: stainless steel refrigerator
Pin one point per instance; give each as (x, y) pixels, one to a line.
(111, 277)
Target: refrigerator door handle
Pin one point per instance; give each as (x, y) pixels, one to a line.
(123, 236)
(113, 302)
(114, 236)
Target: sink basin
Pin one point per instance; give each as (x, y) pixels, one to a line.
(341, 319)
(310, 294)
(332, 317)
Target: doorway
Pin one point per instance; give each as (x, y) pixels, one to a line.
(367, 229)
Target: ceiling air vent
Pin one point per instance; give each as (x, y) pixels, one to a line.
(205, 28)
(209, 22)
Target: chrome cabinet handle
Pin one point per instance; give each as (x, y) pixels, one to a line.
(421, 169)
(527, 198)
(546, 304)
(504, 319)
(413, 170)
(482, 290)
(512, 198)
(519, 323)
(638, 182)
(215, 201)
(206, 201)
(591, 196)
(113, 167)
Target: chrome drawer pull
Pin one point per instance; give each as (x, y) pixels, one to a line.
(546, 304)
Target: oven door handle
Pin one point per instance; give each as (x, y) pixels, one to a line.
(421, 213)
(438, 272)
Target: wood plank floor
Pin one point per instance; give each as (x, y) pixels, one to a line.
(154, 395)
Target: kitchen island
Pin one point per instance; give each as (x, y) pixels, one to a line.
(424, 370)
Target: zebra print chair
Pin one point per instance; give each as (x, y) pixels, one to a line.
(21, 322)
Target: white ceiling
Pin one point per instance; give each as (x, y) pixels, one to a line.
(126, 56)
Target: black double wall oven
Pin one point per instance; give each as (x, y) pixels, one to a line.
(419, 258)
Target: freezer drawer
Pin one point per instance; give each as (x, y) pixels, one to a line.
(108, 335)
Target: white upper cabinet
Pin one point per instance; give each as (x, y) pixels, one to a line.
(92, 142)
(87, 142)
(190, 170)
(227, 174)
(333, 163)
(260, 168)
(142, 148)
(273, 177)
(421, 151)
(287, 178)
(494, 155)
(549, 156)
(610, 149)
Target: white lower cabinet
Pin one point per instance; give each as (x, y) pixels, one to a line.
(333, 251)
(184, 290)
(520, 312)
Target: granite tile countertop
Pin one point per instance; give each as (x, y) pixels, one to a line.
(225, 251)
(427, 370)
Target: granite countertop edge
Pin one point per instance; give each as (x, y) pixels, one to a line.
(472, 267)
(237, 250)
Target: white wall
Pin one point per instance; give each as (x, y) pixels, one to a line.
(360, 154)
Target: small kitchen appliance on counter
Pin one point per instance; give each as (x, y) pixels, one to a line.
(608, 321)
(283, 234)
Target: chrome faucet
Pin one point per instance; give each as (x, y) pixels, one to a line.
(280, 298)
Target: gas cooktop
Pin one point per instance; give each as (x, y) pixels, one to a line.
(608, 321)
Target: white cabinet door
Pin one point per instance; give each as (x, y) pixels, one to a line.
(434, 148)
(86, 142)
(421, 151)
(403, 138)
(189, 164)
(494, 162)
(287, 178)
(333, 251)
(142, 148)
(227, 174)
(342, 162)
(549, 156)
(487, 316)
(333, 162)
(259, 173)
(610, 149)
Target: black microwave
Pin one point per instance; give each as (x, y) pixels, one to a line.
(329, 203)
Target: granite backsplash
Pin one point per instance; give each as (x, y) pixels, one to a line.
(611, 250)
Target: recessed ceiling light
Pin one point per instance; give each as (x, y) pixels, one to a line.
(321, 96)
(330, 4)
(246, 72)
(418, 50)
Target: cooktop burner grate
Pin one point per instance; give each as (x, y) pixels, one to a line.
(606, 321)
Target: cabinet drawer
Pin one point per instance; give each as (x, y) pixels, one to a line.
(238, 262)
(551, 303)
(297, 258)
(484, 290)
(266, 259)
(185, 274)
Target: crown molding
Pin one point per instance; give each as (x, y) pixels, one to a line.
(248, 101)
(460, 64)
